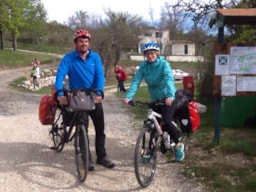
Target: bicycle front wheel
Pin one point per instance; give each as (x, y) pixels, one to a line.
(145, 157)
(81, 152)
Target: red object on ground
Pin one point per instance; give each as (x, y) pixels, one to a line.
(188, 83)
(194, 115)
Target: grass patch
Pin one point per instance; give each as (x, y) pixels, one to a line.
(227, 167)
(13, 59)
(239, 141)
(40, 47)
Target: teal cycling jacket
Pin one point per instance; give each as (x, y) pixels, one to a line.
(82, 74)
(159, 78)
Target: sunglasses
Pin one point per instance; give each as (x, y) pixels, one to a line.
(149, 53)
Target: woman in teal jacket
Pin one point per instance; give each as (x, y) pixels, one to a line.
(157, 73)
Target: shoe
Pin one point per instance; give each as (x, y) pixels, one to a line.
(105, 162)
(163, 148)
(179, 152)
(91, 166)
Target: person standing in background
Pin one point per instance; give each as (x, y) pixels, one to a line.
(35, 74)
(121, 77)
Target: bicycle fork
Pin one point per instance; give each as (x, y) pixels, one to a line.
(148, 149)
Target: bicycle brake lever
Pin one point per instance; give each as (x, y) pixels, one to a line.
(132, 103)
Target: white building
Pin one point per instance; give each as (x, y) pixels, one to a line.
(173, 50)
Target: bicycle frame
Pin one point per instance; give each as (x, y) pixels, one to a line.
(74, 122)
(152, 115)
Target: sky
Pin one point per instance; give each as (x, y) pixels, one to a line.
(60, 10)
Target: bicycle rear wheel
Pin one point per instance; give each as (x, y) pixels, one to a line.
(185, 139)
(145, 157)
(57, 132)
(81, 152)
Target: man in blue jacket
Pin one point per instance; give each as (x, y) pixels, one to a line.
(157, 73)
(85, 71)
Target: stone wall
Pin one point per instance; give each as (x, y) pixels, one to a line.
(47, 78)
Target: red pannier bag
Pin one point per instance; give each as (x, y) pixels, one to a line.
(47, 110)
(194, 115)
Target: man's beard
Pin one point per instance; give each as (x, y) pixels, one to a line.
(83, 51)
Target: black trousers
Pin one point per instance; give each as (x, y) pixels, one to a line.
(120, 86)
(167, 113)
(97, 117)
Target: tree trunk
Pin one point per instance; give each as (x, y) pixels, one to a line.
(2, 40)
(14, 42)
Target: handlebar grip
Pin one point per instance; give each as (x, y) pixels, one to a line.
(58, 91)
(132, 103)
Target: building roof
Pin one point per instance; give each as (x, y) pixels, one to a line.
(241, 12)
(235, 16)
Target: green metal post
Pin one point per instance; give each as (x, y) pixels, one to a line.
(218, 99)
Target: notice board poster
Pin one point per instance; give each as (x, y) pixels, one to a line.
(242, 60)
(221, 64)
(246, 84)
(228, 85)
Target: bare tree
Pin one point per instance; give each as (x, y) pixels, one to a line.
(115, 36)
(79, 20)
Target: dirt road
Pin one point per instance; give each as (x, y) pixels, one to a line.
(27, 163)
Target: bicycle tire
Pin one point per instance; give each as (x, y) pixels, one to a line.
(81, 152)
(57, 132)
(145, 168)
(185, 139)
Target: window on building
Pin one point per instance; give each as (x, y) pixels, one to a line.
(148, 34)
(170, 49)
(141, 46)
(159, 34)
(185, 49)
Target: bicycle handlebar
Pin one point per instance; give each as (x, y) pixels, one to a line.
(66, 92)
(150, 104)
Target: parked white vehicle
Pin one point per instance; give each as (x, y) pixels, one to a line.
(179, 74)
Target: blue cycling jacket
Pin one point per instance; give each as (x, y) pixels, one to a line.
(82, 74)
(159, 78)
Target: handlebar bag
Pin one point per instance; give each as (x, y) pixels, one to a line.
(82, 101)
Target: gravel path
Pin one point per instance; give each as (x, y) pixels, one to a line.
(27, 163)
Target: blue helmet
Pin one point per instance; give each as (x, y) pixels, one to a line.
(150, 46)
